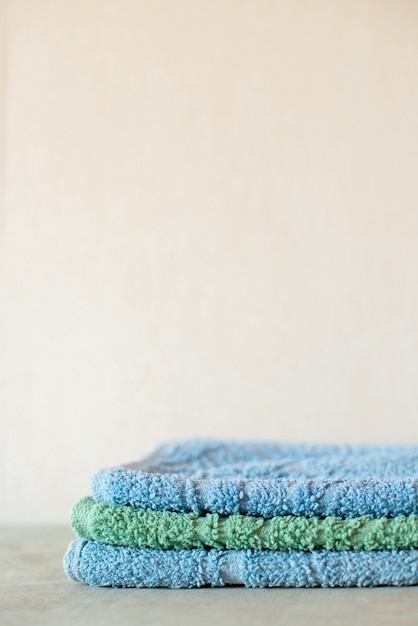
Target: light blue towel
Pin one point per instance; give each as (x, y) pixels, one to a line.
(267, 479)
(104, 565)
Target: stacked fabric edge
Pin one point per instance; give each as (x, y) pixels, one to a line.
(217, 513)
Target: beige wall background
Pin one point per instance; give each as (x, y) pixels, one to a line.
(209, 227)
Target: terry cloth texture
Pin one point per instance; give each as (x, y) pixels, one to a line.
(266, 480)
(124, 526)
(217, 513)
(99, 564)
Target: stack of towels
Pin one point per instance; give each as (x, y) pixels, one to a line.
(218, 513)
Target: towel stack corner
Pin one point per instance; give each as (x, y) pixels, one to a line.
(213, 513)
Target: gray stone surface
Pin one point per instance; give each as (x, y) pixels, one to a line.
(34, 590)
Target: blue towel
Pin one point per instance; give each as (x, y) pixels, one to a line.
(104, 565)
(267, 479)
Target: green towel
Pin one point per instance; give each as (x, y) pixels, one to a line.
(139, 528)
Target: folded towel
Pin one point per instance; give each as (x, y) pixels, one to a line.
(99, 564)
(267, 479)
(328, 515)
(124, 526)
